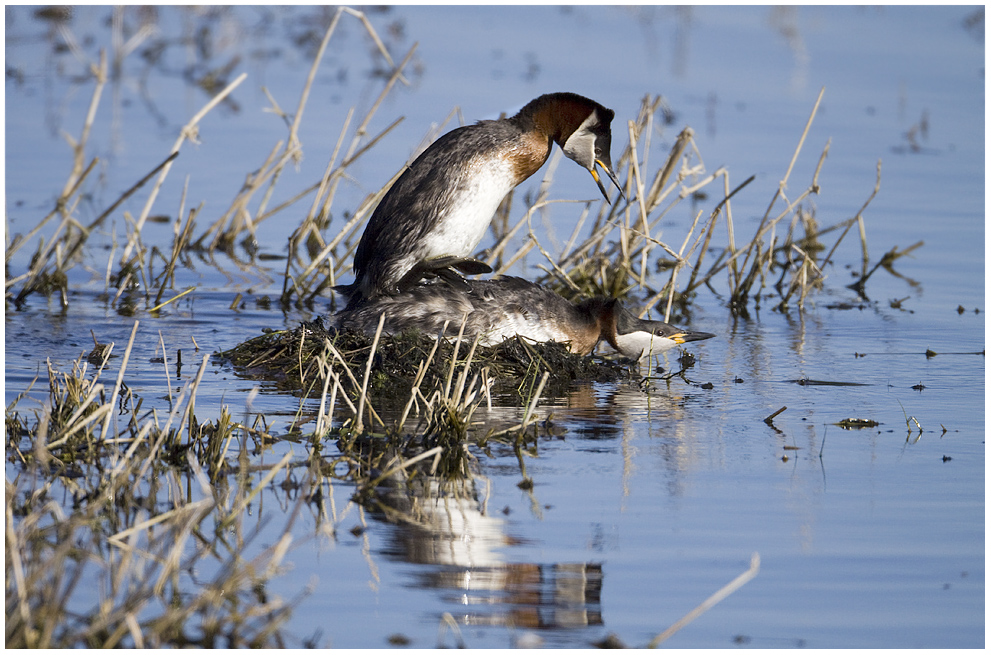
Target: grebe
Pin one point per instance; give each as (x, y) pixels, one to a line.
(438, 210)
(503, 308)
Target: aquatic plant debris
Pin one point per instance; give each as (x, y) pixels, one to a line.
(289, 359)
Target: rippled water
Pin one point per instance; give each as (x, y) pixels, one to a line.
(644, 502)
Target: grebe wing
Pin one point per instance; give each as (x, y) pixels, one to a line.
(441, 267)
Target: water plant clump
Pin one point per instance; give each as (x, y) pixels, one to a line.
(106, 527)
(292, 360)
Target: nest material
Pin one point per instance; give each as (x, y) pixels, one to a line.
(290, 359)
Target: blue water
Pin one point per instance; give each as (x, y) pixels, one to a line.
(644, 503)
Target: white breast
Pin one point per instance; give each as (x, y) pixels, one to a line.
(529, 327)
(460, 229)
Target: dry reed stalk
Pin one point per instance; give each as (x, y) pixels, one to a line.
(42, 257)
(858, 218)
(518, 255)
(348, 228)
(725, 202)
(658, 188)
(120, 380)
(418, 380)
(189, 131)
(347, 369)
(800, 281)
(164, 432)
(574, 233)
(638, 181)
(393, 78)
(779, 193)
(454, 356)
(532, 405)
(250, 182)
(362, 399)
(171, 300)
(434, 452)
(324, 368)
(319, 202)
(337, 384)
(99, 71)
(534, 241)
(496, 252)
(463, 376)
(680, 262)
(742, 288)
(237, 214)
(711, 601)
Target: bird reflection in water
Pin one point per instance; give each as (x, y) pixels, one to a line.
(444, 527)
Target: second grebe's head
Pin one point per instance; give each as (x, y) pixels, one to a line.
(637, 338)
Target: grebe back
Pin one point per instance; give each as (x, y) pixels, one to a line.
(500, 309)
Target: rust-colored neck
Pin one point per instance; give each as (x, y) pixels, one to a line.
(595, 320)
(548, 119)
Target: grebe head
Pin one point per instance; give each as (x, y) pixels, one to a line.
(637, 338)
(589, 146)
(581, 127)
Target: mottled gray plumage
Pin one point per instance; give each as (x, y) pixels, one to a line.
(502, 308)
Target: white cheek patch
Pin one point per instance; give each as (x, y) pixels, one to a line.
(642, 344)
(580, 146)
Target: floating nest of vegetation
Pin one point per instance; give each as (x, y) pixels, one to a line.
(299, 360)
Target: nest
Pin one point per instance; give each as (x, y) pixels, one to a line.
(294, 360)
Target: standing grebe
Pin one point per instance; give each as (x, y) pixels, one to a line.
(437, 212)
(503, 308)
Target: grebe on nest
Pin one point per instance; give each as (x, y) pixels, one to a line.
(503, 308)
(437, 212)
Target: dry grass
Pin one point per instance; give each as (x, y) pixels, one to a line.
(143, 503)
